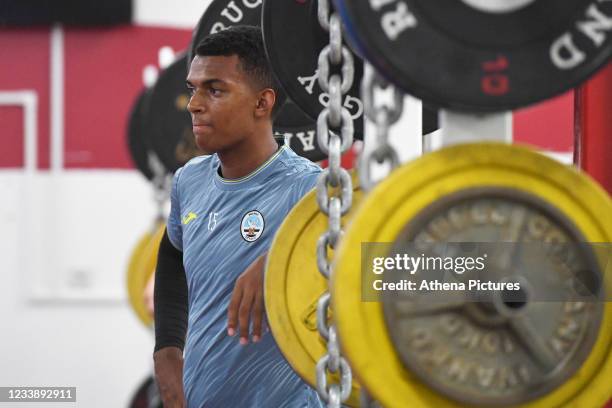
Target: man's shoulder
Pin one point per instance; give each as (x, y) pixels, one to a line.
(299, 175)
(196, 166)
(298, 166)
(200, 162)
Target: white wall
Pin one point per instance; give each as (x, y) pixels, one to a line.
(177, 14)
(56, 333)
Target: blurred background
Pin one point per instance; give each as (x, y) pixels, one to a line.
(73, 205)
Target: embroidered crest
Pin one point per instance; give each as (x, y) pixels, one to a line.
(252, 226)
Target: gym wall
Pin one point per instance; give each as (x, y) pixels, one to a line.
(72, 206)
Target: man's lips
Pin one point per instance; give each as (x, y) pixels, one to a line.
(198, 127)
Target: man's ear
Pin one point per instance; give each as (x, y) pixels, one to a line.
(265, 103)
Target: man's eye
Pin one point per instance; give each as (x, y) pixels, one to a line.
(215, 91)
(191, 91)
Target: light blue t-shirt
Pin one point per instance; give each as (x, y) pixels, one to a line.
(222, 226)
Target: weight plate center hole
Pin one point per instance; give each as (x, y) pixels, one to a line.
(509, 303)
(514, 299)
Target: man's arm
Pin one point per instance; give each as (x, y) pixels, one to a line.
(171, 309)
(248, 301)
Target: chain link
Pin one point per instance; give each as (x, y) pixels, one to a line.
(335, 40)
(346, 131)
(346, 188)
(322, 313)
(162, 184)
(335, 101)
(333, 349)
(346, 378)
(383, 117)
(334, 193)
(323, 14)
(348, 69)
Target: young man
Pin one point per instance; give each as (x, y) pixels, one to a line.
(225, 210)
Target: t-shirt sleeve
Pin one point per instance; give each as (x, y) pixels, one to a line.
(174, 227)
(303, 184)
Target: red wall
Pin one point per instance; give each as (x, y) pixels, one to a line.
(103, 75)
(103, 78)
(549, 125)
(11, 120)
(594, 117)
(24, 57)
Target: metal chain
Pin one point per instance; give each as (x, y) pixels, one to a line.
(383, 117)
(162, 181)
(162, 184)
(334, 202)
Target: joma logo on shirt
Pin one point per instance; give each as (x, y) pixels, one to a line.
(189, 217)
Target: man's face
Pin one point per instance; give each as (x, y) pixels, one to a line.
(222, 103)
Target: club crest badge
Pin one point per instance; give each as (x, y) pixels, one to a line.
(252, 226)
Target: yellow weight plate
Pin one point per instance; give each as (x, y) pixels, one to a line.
(382, 216)
(133, 268)
(293, 286)
(141, 267)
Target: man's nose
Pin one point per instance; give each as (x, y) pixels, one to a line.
(195, 105)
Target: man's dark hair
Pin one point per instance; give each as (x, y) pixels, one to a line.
(247, 43)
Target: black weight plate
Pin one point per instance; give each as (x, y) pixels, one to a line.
(147, 395)
(430, 119)
(168, 121)
(466, 58)
(294, 38)
(136, 136)
(290, 121)
(222, 14)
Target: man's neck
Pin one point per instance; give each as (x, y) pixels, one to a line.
(245, 158)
